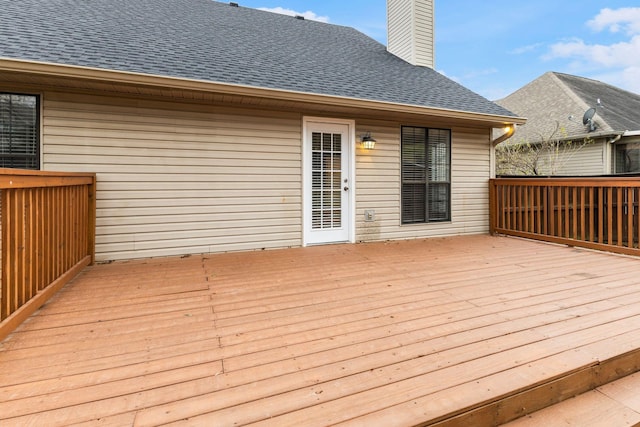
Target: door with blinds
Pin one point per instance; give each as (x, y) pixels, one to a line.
(327, 182)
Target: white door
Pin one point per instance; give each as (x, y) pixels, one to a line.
(327, 182)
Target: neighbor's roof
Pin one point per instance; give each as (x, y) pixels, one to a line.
(620, 109)
(562, 99)
(215, 42)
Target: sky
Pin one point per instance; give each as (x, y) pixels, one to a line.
(494, 47)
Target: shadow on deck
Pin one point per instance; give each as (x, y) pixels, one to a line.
(452, 331)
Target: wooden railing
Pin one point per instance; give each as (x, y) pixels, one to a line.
(48, 236)
(596, 213)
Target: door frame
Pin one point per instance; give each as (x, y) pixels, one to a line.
(350, 152)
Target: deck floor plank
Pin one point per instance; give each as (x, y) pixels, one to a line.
(64, 353)
(625, 391)
(393, 333)
(613, 404)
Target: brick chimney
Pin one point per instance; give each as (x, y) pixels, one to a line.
(410, 31)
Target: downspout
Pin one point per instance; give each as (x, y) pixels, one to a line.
(509, 129)
(610, 165)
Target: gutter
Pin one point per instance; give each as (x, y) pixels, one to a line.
(631, 133)
(594, 135)
(125, 77)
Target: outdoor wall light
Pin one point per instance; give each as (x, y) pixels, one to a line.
(368, 143)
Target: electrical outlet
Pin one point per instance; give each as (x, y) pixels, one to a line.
(369, 215)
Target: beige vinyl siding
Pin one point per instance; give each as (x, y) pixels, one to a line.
(377, 182)
(593, 158)
(180, 178)
(378, 187)
(424, 31)
(590, 159)
(400, 28)
(411, 31)
(185, 178)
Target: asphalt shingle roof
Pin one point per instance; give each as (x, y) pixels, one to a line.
(620, 108)
(560, 100)
(213, 41)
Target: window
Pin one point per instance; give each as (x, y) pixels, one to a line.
(426, 175)
(19, 131)
(628, 158)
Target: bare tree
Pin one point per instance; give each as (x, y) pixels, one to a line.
(546, 156)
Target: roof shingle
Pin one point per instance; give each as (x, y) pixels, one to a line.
(212, 41)
(620, 109)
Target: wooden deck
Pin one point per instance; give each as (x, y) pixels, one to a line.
(453, 331)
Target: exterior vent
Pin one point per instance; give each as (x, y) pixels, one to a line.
(300, 17)
(232, 4)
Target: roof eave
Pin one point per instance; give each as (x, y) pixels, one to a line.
(133, 78)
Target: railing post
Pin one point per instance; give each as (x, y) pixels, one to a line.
(4, 295)
(91, 223)
(493, 206)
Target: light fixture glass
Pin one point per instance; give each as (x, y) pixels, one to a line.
(368, 143)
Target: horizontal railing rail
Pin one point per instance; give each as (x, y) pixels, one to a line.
(597, 213)
(48, 236)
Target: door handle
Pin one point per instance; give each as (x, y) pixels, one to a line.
(346, 188)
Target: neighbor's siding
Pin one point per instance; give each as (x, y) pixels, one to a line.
(378, 187)
(590, 159)
(179, 178)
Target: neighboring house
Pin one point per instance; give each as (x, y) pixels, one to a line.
(564, 108)
(213, 127)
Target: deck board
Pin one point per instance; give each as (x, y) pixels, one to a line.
(613, 404)
(395, 333)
